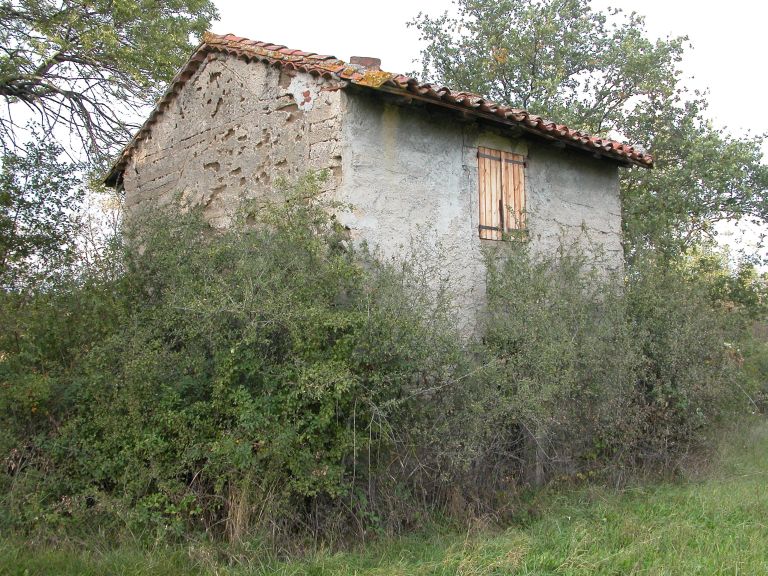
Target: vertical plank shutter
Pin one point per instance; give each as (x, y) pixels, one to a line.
(502, 192)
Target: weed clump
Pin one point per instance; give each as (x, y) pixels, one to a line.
(272, 382)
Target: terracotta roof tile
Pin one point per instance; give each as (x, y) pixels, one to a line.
(330, 67)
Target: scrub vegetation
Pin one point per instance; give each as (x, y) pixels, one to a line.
(273, 386)
(711, 525)
(272, 399)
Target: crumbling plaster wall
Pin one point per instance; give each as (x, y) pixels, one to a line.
(233, 130)
(574, 197)
(411, 176)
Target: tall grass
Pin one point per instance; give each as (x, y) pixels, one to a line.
(714, 524)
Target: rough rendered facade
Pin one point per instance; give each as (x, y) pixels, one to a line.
(403, 155)
(231, 132)
(412, 177)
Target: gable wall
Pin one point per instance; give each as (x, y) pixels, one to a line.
(412, 178)
(232, 131)
(409, 174)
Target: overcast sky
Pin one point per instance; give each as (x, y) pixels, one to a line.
(727, 58)
(728, 38)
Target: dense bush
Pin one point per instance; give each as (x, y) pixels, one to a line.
(603, 372)
(221, 381)
(564, 362)
(690, 377)
(272, 381)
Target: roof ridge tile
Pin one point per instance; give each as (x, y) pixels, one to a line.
(330, 66)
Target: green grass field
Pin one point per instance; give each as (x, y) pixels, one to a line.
(717, 525)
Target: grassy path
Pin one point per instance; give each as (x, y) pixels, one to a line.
(716, 526)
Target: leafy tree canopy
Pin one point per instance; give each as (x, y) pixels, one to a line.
(39, 221)
(603, 74)
(88, 66)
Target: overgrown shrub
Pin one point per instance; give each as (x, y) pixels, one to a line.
(690, 377)
(613, 372)
(563, 362)
(252, 379)
(273, 381)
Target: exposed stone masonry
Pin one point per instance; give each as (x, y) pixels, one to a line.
(232, 131)
(409, 171)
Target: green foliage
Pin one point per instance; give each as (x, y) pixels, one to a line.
(566, 359)
(39, 200)
(740, 288)
(712, 525)
(690, 378)
(558, 58)
(702, 176)
(589, 370)
(260, 368)
(86, 67)
(271, 381)
(601, 73)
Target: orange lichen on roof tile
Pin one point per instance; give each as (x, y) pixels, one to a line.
(331, 67)
(374, 78)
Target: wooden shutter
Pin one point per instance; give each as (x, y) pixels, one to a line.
(501, 182)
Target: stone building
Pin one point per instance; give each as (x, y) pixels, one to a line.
(420, 164)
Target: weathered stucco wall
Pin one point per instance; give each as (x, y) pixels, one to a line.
(574, 197)
(410, 174)
(412, 178)
(232, 131)
(405, 173)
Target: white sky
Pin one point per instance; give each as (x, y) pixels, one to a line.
(728, 38)
(728, 46)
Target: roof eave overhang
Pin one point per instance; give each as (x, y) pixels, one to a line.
(379, 81)
(597, 153)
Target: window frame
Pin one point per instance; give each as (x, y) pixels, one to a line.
(501, 194)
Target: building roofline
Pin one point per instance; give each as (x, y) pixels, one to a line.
(374, 79)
